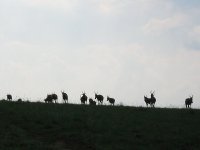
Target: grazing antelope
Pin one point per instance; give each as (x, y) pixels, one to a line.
(48, 99)
(151, 101)
(188, 102)
(54, 97)
(9, 97)
(111, 100)
(99, 98)
(92, 102)
(83, 98)
(19, 100)
(64, 96)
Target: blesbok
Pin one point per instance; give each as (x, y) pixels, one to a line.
(188, 102)
(111, 100)
(99, 98)
(147, 100)
(92, 102)
(19, 100)
(54, 97)
(151, 101)
(48, 99)
(83, 98)
(9, 97)
(64, 96)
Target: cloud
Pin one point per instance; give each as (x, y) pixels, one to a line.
(195, 33)
(1, 36)
(136, 6)
(196, 30)
(193, 38)
(64, 5)
(105, 7)
(158, 26)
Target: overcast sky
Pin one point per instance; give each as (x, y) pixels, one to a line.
(120, 48)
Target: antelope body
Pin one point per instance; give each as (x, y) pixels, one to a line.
(99, 98)
(188, 102)
(83, 98)
(9, 97)
(111, 100)
(64, 96)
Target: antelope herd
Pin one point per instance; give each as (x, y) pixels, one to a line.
(50, 98)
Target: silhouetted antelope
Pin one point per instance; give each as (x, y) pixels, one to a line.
(111, 100)
(147, 100)
(83, 98)
(99, 98)
(19, 100)
(48, 99)
(92, 102)
(9, 97)
(64, 96)
(188, 101)
(151, 101)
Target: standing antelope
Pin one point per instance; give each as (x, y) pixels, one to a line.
(9, 97)
(147, 100)
(151, 101)
(83, 98)
(111, 100)
(99, 98)
(64, 96)
(188, 102)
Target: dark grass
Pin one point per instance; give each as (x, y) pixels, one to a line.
(39, 126)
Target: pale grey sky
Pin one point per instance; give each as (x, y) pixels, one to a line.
(120, 48)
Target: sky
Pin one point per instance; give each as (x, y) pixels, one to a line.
(118, 48)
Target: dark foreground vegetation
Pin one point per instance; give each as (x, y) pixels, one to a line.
(39, 126)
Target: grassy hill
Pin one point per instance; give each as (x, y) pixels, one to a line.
(38, 126)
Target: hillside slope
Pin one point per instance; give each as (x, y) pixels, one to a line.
(38, 126)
